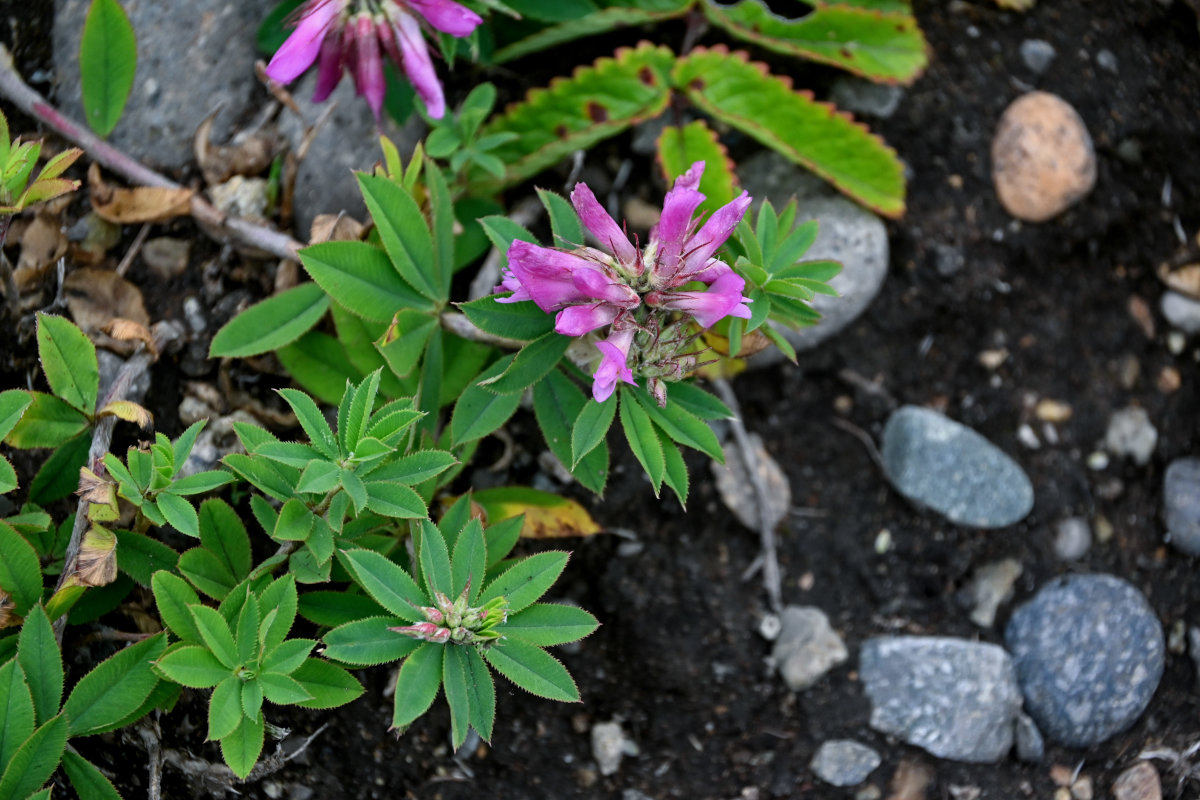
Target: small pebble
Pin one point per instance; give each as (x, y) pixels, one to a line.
(1181, 505)
(1072, 538)
(1027, 437)
(1130, 434)
(609, 746)
(1176, 342)
(844, 762)
(807, 647)
(1037, 54)
(1043, 160)
(1031, 746)
(990, 587)
(1088, 652)
(911, 780)
(168, 257)
(1097, 460)
(1107, 61)
(1169, 380)
(1056, 411)
(1139, 782)
(1181, 311)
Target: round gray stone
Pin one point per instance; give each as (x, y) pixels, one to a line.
(1181, 311)
(949, 468)
(955, 698)
(1181, 505)
(844, 762)
(1037, 54)
(1088, 653)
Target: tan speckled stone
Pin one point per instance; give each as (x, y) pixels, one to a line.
(1042, 157)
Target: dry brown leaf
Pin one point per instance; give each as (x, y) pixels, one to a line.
(126, 330)
(97, 562)
(42, 243)
(335, 228)
(1185, 279)
(7, 618)
(97, 296)
(220, 162)
(139, 204)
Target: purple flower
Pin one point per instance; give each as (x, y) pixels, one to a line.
(722, 299)
(614, 364)
(680, 251)
(328, 31)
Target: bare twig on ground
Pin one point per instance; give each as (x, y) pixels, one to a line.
(164, 333)
(134, 249)
(864, 437)
(769, 558)
(218, 779)
(152, 740)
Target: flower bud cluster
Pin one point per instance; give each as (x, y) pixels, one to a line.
(455, 621)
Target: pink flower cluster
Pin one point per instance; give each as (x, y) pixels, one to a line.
(633, 291)
(340, 36)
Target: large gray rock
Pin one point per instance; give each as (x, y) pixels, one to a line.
(946, 466)
(194, 56)
(1088, 652)
(955, 698)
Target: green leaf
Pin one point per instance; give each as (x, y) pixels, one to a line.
(386, 582)
(480, 411)
(12, 405)
(547, 624)
(360, 277)
(294, 522)
(404, 233)
(368, 642)
(530, 365)
(20, 570)
(282, 689)
(330, 609)
(680, 147)
(86, 778)
(17, 717)
(47, 422)
(575, 113)
(502, 537)
(458, 696)
(394, 500)
(274, 29)
(104, 697)
(272, 479)
(557, 403)
(194, 666)
(882, 46)
(242, 747)
(140, 557)
(40, 660)
(502, 232)
(481, 691)
(469, 562)
(318, 362)
(522, 320)
(271, 324)
(441, 211)
(744, 95)
(35, 760)
(172, 596)
(591, 427)
(417, 684)
(225, 707)
(415, 467)
(280, 598)
(682, 426)
(222, 533)
(216, 635)
(527, 580)
(696, 401)
(288, 656)
(319, 477)
(201, 482)
(434, 558)
(312, 421)
(564, 221)
(107, 63)
(69, 361)
(179, 512)
(598, 22)
(409, 332)
(245, 633)
(328, 685)
(58, 476)
(533, 669)
(676, 474)
(643, 441)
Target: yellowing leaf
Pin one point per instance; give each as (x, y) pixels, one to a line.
(130, 412)
(547, 515)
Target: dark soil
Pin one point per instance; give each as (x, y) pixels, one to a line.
(678, 658)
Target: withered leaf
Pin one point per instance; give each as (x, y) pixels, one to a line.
(139, 204)
(98, 296)
(126, 330)
(130, 412)
(1185, 279)
(97, 561)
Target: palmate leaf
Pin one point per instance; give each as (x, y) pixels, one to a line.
(815, 135)
(680, 147)
(574, 113)
(603, 21)
(883, 46)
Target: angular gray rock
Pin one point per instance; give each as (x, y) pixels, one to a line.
(1181, 311)
(1131, 434)
(947, 467)
(194, 56)
(1088, 653)
(844, 762)
(807, 647)
(1037, 54)
(1031, 746)
(1181, 505)
(861, 96)
(954, 698)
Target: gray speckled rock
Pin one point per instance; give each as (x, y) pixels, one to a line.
(1088, 652)
(844, 762)
(1181, 505)
(943, 465)
(955, 698)
(193, 57)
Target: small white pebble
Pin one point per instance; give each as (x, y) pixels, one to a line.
(1097, 461)
(1027, 437)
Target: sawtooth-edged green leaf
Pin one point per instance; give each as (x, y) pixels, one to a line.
(557, 402)
(13, 403)
(47, 422)
(433, 555)
(41, 661)
(575, 113)
(642, 438)
(103, 698)
(458, 696)
(548, 624)
(18, 720)
(404, 233)
(107, 63)
(69, 361)
(35, 760)
(522, 320)
(417, 684)
(603, 21)
(360, 277)
(242, 747)
(882, 46)
(318, 362)
(225, 707)
(368, 642)
(480, 411)
(527, 580)
(815, 135)
(87, 779)
(680, 147)
(271, 324)
(386, 582)
(482, 691)
(329, 685)
(533, 669)
(312, 421)
(530, 365)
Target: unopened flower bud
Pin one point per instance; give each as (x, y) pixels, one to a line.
(432, 614)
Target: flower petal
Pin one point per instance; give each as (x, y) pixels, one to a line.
(614, 365)
(447, 16)
(329, 69)
(600, 286)
(547, 275)
(368, 64)
(301, 48)
(601, 225)
(679, 206)
(418, 66)
(716, 229)
(723, 299)
(578, 320)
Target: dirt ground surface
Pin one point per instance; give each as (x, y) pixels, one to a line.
(678, 659)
